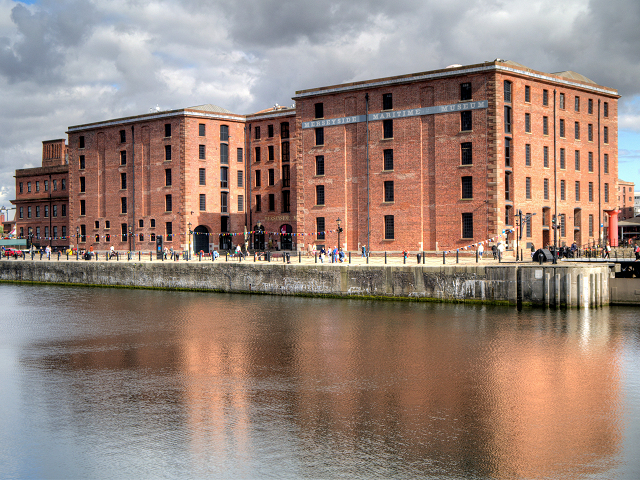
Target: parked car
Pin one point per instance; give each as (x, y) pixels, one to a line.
(12, 252)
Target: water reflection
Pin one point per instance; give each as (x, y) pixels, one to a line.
(165, 384)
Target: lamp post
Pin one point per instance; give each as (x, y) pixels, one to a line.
(77, 239)
(130, 237)
(338, 221)
(190, 232)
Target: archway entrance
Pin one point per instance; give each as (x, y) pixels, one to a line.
(286, 239)
(258, 237)
(201, 239)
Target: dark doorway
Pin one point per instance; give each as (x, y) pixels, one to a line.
(200, 239)
(258, 237)
(286, 239)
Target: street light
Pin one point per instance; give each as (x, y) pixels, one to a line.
(77, 238)
(338, 221)
(190, 232)
(130, 237)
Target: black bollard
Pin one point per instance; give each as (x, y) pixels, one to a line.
(349, 257)
(315, 256)
(385, 257)
(423, 257)
(443, 258)
(456, 256)
(476, 255)
(299, 256)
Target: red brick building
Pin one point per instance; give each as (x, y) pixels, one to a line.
(42, 198)
(451, 155)
(626, 200)
(438, 160)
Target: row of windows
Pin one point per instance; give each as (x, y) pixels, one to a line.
(562, 159)
(284, 153)
(45, 184)
(563, 190)
(562, 128)
(546, 220)
(508, 91)
(36, 234)
(284, 131)
(271, 178)
(44, 210)
(202, 155)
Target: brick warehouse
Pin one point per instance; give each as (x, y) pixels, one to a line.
(451, 155)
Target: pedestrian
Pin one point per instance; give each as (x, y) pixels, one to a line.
(533, 250)
(48, 250)
(480, 251)
(341, 255)
(322, 254)
(500, 250)
(637, 252)
(364, 250)
(606, 250)
(494, 251)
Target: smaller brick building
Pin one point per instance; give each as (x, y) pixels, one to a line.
(42, 199)
(626, 200)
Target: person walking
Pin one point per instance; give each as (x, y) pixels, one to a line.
(480, 251)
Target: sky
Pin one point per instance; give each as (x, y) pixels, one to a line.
(71, 62)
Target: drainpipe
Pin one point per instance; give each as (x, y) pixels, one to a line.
(133, 190)
(366, 97)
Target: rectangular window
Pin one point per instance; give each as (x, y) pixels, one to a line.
(224, 177)
(241, 203)
(563, 161)
(63, 210)
(224, 202)
(319, 110)
(167, 130)
(528, 225)
(286, 176)
(507, 91)
(224, 133)
(284, 130)
(527, 155)
(591, 225)
(605, 134)
(140, 223)
(467, 225)
(563, 224)
(28, 212)
(320, 136)
(528, 188)
(465, 91)
(37, 186)
(64, 231)
(240, 175)
(286, 201)
(46, 185)
(577, 130)
(240, 155)
(606, 193)
(167, 152)
(527, 93)
(545, 97)
(55, 186)
(319, 194)
(319, 164)
(270, 131)
(272, 202)
(203, 202)
(605, 109)
(577, 191)
(123, 181)
(590, 106)
(389, 233)
(590, 132)
(466, 154)
(28, 187)
(123, 157)
(561, 101)
(545, 125)
(507, 186)
(168, 203)
(202, 129)
(562, 190)
(284, 151)
(257, 156)
(590, 162)
(387, 129)
(507, 119)
(508, 215)
(224, 154)
(169, 231)
(591, 191)
(258, 203)
(320, 228)
(54, 211)
(467, 187)
(606, 163)
(545, 156)
(22, 212)
(123, 205)
(577, 157)
(562, 134)
(258, 179)
(123, 136)
(272, 177)
(257, 132)
(202, 176)
(271, 153)
(202, 152)
(55, 232)
(82, 184)
(527, 122)
(546, 188)
(507, 152)
(81, 141)
(387, 101)
(577, 104)
(21, 187)
(167, 177)
(388, 191)
(123, 231)
(465, 121)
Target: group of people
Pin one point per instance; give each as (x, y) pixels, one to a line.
(497, 250)
(336, 255)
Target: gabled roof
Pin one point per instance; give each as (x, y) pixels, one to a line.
(570, 75)
(209, 108)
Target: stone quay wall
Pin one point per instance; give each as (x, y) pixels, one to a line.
(563, 285)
